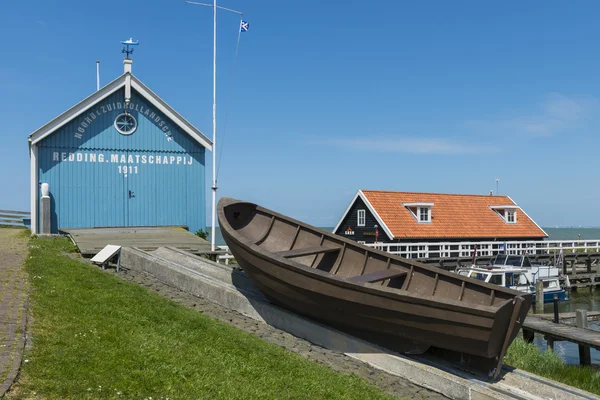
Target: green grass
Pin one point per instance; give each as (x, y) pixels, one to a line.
(528, 357)
(95, 336)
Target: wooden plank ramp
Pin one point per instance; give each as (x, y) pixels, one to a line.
(90, 241)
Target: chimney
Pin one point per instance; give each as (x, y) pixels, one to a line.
(127, 65)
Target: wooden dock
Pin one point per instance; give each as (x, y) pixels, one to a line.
(591, 316)
(553, 332)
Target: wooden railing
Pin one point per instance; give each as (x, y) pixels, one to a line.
(465, 249)
(14, 218)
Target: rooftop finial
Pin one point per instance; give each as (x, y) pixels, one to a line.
(128, 43)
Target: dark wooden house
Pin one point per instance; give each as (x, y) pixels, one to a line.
(404, 217)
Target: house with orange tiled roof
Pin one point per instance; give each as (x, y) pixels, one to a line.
(402, 217)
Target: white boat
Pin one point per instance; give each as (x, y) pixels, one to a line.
(520, 279)
(522, 261)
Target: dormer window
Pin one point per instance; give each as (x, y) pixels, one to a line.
(420, 211)
(507, 213)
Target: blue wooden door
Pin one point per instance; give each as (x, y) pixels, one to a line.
(156, 189)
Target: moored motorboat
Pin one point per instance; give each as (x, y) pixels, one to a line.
(520, 279)
(367, 292)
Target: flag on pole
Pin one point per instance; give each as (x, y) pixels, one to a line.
(244, 25)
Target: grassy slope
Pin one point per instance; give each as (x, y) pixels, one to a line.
(95, 336)
(528, 357)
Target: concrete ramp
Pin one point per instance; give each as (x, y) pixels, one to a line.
(90, 241)
(230, 288)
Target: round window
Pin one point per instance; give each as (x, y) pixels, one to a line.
(125, 124)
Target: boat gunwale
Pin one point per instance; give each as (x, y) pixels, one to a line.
(470, 308)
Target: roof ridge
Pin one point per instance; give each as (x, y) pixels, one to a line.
(435, 193)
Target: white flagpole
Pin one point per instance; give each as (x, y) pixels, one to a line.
(214, 163)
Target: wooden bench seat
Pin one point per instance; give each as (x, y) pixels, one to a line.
(307, 251)
(377, 276)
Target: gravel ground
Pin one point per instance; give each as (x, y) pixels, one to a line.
(391, 384)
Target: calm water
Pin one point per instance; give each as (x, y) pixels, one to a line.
(582, 300)
(572, 233)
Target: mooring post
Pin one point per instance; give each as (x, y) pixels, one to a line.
(555, 301)
(584, 351)
(539, 297)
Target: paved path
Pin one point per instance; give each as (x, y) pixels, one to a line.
(13, 304)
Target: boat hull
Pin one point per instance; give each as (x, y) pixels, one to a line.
(405, 325)
(440, 309)
(549, 296)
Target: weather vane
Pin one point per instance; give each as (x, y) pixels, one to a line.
(128, 43)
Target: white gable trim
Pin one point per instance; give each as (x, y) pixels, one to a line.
(170, 113)
(106, 91)
(370, 207)
(76, 110)
(535, 223)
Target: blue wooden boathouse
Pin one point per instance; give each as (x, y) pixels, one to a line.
(122, 157)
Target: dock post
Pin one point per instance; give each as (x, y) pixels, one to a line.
(528, 335)
(539, 297)
(550, 341)
(588, 265)
(555, 301)
(574, 267)
(584, 352)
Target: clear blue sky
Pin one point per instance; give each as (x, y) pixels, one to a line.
(333, 96)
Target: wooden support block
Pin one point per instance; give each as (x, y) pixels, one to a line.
(528, 335)
(550, 344)
(584, 351)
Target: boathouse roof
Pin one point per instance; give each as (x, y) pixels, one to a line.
(408, 215)
(129, 82)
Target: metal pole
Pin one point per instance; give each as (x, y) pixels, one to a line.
(214, 163)
(97, 75)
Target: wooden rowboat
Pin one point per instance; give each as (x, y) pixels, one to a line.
(385, 298)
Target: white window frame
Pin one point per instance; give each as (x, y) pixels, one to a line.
(507, 215)
(420, 214)
(361, 214)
